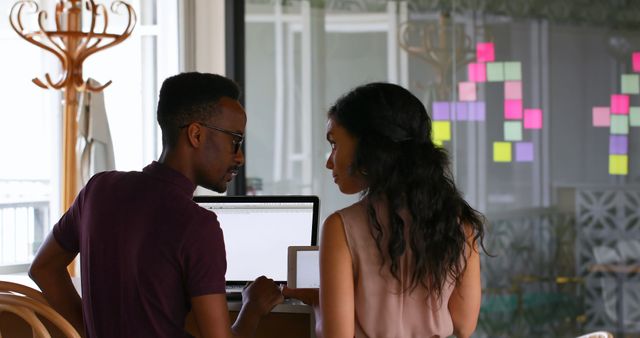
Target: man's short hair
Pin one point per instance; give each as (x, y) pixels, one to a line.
(190, 97)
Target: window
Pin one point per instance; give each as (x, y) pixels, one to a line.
(30, 118)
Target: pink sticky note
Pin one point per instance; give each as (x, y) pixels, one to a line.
(477, 72)
(485, 52)
(601, 117)
(636, 62)
(513, 109)
(620, 104)
(513, 90)
(532, 119)
(467, 91)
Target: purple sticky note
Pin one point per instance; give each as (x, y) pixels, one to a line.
(513, 109)
(513, 90)
(485, 52)
(636, 62)
(477, 111)
(524, 152)
(461, 111)
(440, 110)
(618, 144)
(601, 117)
(532, 119)
(467, 91)
(619, 104)
(477, 72)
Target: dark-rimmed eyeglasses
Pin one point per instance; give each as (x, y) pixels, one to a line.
(237, 140)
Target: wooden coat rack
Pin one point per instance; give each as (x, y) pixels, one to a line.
(72, 47)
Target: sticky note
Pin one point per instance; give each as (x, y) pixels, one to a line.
(467, 91)
(513, 109)
(461, 111)
(513, 131)
(524, 152)
(630, 84)
(502, 151)
(619, 104)
(513, 90)
(441, 130)
(634, 116)
(618, 164)
(495, 71)
(601, 117)
(477, 111)
(477, 72)
(440, 110)
(619, 125)
(636, 61)
(618, 144)
(532, 119)
(439, 143)
(512, 71)
(485, 52)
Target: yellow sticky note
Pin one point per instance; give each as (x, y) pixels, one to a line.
(441, 130)
(437, 142)
(502, 151)
(618, 164)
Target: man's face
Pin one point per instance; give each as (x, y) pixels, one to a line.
(219, 161)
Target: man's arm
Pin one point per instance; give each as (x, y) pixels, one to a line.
(49, 271)
(212, 315)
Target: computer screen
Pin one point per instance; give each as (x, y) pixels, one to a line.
(259, 229)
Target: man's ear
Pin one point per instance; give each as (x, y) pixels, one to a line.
(195, 135)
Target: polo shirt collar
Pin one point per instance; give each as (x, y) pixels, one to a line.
(165, 173)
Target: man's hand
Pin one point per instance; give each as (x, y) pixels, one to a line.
(308, 296)
(258, 299)
(262, 295)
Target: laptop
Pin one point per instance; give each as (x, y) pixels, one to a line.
(258, 230)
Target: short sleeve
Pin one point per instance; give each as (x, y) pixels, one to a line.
(205, 258)
(67, 230)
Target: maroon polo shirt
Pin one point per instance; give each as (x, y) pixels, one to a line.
(145, 249)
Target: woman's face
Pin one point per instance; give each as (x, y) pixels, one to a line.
(343, 146)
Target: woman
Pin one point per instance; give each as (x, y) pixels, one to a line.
(403, 261)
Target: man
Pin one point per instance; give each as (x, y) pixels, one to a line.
(148, 253)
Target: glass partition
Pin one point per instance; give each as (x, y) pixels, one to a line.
(537, 105)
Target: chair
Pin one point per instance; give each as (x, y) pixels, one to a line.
(19, 289)
(30, 305)
(599, 334)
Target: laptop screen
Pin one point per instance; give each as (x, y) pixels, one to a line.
(259, 229)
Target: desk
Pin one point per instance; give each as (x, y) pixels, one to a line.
(294, 320)
(289, 320)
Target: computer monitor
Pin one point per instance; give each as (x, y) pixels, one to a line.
(258, 230)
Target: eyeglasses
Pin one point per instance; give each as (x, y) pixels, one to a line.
(237, 140)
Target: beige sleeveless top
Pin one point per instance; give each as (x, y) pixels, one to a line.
(382, 309)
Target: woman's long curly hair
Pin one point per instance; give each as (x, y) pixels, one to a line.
(407, 171)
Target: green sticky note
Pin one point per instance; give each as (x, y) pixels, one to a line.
(634, 116)
(618, 164)
(512, 71)
(619, 124)
(495, 71)
(513, 131)
(630, 83)
(441, 131)
(502, 151)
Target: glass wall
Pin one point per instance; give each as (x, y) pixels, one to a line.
(537, 104)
